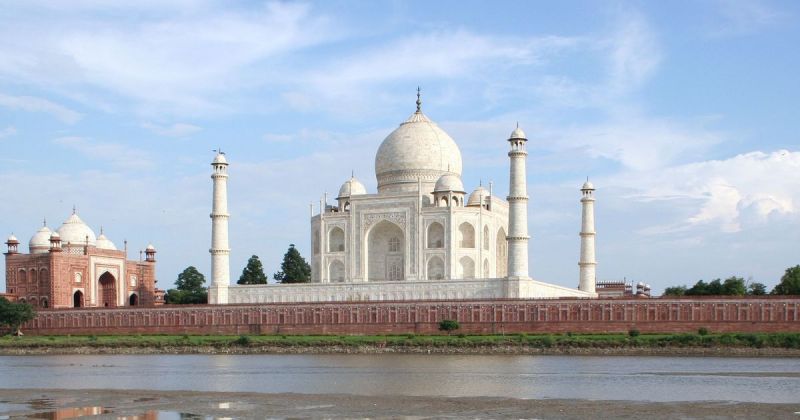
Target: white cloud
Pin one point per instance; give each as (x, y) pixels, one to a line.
(744, 17)
(8, 131)
(34, 104)
(731, 194)
(114, 154)
(182, 61)
(174, 130)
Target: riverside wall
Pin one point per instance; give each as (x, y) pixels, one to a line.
(767, 314)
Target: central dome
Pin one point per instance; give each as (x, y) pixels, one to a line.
(75, 233)
(416, 151)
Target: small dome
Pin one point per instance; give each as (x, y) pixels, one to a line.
(76, 233)
(12, 239)
(220, 159)
(517, 134)
(475, 197)
(105, 243)
(55, 236)
(449, 182)
(40, 241)
(587, 185)
(351, 187)
(150, 247)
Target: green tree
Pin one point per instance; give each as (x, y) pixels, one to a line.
(189, 288)
(253, 273)
(699, 289)
(14, 314)
(294, 268)
(675, 291)
(734, 286)
(448, 325)
(756, 289)
(790, 282)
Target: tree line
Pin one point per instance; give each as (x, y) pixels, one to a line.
(737, 286)
(190, 289)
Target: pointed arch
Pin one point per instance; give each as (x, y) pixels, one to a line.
(336, 240)
(336, 271)
(385, 250)
(466, 235)
(466, 268)
(435, 235)
(486, 239)
(107, 288)
(501, 253)
(77, 299)
(435, 269)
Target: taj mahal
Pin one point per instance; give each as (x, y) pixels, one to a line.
(419, 237)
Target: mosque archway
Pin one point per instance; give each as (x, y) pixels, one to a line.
(467, 268)
(436, 235)
(435, 269)
(107, 290)
(501, 253)
(77, 299)
(336, 272)
(385, 252)
(466, 235)
(133, 300)
(336, 240)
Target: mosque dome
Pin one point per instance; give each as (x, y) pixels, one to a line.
(587, 185)
(55, 236)
(40, 241)
(449, 182)
(150, 247)
(475, 197)
(75, 232)
(104, 243)
(220, 159)
(12, 239)
(416, 151)
(352, 187)
(517, 134)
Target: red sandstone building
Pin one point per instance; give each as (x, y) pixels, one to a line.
(71, 268)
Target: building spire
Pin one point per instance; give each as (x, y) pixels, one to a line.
(419, 101)
(74, 209)
(44, 222)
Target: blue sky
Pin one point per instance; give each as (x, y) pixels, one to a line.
(684, 115)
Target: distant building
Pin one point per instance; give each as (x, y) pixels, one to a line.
(71, 268)
(621, 288)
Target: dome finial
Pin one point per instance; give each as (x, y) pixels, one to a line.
(74, 209)
(44, 222)
(419, 101)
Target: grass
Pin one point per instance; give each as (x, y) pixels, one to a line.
(570, 340)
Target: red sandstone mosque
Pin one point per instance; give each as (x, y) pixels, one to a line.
(72, 268)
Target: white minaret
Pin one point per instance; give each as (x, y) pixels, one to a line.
(220, 252)
(518, 208)
(587, 263)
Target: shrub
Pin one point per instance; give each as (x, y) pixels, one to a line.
(702, 331)
(448, 325)
(633, 333)
(243, 340)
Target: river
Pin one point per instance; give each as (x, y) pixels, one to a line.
(653, 379)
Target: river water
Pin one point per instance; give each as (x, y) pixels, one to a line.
(665, 379)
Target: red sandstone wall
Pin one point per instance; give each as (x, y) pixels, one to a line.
(483, 316)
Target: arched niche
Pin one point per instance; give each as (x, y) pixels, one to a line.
(336, 271)
(466, 268)
(385, 252)
(435, 235)
(466, 235)
(435, 269)
(501, 254)
(336, 240)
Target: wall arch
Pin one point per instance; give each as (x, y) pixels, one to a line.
(486, 239)
(385, 252)
(336, 272)
(466, 268)
(107, 290)
(435, 235)
(336, 240)
(466, 235)
(435, 270)
(501, 254)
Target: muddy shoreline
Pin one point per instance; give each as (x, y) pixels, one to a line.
(111, 404)
(378, 349)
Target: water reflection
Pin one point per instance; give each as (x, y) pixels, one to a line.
(580, 377)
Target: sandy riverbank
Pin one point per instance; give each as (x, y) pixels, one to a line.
(107, 404)
(377, 349)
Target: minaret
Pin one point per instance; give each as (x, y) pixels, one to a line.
(518, 208)
(587, 263)
(220, 252)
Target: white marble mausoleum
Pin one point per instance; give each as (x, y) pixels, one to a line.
(419, 236)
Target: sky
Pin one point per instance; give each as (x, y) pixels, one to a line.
(683, 114)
